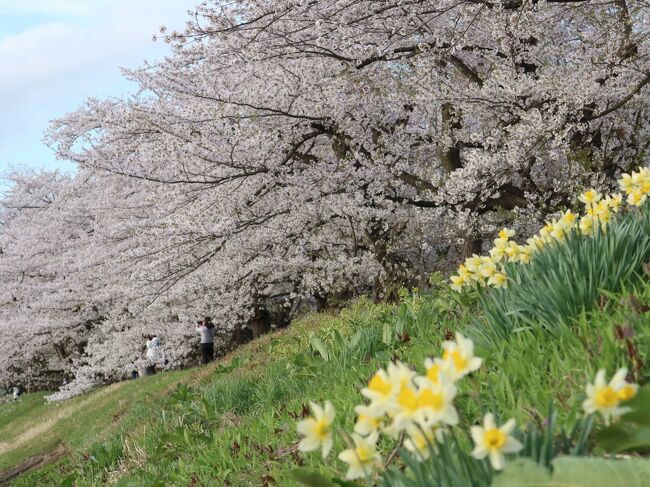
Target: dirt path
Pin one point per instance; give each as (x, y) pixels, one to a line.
(42, 427)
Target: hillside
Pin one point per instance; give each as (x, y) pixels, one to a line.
(570, 306)
(238, 426)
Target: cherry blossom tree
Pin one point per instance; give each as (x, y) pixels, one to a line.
(309, 148)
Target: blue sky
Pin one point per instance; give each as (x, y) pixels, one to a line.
(56, 53)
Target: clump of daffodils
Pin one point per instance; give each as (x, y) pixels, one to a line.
(636, 186)
(416, 409)
(606, 397)
(598, 213)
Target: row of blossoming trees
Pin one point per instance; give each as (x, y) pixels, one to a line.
(308, 148)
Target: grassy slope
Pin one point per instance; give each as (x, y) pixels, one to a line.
(238, 428)
(32, 426)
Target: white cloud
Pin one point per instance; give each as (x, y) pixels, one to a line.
(49, 68)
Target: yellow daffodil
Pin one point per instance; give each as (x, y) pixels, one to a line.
(493, 442)
(590, 197)
(535, 243)
(400, 375)
(614, 202)
(498, 280)
(472, 263)
(605, 398)
(458, 282)
(525, 253)
(367, 421)
(405, 409)
(636, 186)
(627, 391)
(499, 251)
(568, 219)
(363, 458)
(488, 267)
(380, 391)
(317, 431)
(587, 225)
(626, 183)
(637, 198)
(459, 356)
(434, 370)
(513, 250)
(385, 385)
(422, 440)
(558, 230)
(506, 233)
(545, 233)
(435, 404)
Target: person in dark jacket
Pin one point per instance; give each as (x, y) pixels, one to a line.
(205, 329)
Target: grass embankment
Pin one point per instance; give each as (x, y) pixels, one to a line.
(32, 426)
(238, 427)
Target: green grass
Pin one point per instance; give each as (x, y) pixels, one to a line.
(31, 426)
(237, 426)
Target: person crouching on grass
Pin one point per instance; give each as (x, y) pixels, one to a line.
(204, 328)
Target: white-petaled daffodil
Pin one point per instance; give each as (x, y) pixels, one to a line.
(494, 441)
(362, 458)
(606, 397)
(459, 356)
(317, 431)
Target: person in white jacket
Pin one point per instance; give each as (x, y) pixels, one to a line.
(205, 329)
(152, 355)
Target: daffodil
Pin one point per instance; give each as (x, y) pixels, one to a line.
(435, 370)
(458, 282)
(535, 243)
(626, 183)
(493, 441)
(435, 404)
(568, 219)
(637, 198)
(605, 397)
(614, 202)
(498, 279)
(472, 263)
(500, 250)
(380, 391)
(459, 355)
(506, 233)
(400, 375)
(362, 458)
(590, 197)
(525, 253)
(636, 186)
(317, 431)
(627, 391)
(463, 271)
(513, 250)
(367, 421)
(422, 440)
(385, 385)
(488, 267)
(587, 225)
(404, 410)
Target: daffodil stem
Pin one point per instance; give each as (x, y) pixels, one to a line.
(393, 454)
